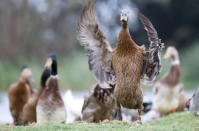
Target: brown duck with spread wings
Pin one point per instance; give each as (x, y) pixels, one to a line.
(124, 66)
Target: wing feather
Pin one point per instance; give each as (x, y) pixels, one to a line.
(151, 31)
(152, 61)
(98, 49)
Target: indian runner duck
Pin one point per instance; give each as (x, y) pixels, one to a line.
(99, 104)
(29, 109)
(50, 107)
(168, 91)
(19, 93)
(194, 103)
(127, 64)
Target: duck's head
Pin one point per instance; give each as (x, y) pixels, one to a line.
(26, 75)
(52, 63)
(124, 16)
(172, 53)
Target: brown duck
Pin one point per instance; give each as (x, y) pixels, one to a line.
(127, 63)
(99, 104)
(29, 110)
(168, 91)
(50, 106)
(19, 93)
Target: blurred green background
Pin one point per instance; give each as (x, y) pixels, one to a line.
(30, 29)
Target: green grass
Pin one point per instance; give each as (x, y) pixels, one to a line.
(174, 122)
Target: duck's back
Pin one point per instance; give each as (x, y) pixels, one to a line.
(99, 104)
(128, 66)
(19, 94)
(50, 107)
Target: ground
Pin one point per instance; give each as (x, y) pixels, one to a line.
(177, 121)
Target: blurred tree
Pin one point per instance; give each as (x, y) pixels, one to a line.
(33, 28)
(177, 21)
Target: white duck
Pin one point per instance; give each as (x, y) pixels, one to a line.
(73, 106)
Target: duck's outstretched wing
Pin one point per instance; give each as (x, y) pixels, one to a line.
(152, 61)
(98, 49)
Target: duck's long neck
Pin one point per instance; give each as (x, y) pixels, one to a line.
(54, 68)
(22, 80)
(22, 83)
(175, 73)
(54, 77)
(39, 94)
(53, 83)
(125, 25)
(29, 84)
(124, 40)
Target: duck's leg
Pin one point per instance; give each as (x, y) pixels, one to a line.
(139, 117)
(118, 112)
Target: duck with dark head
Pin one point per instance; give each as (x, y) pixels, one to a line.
(50, 107)
(19, 93)
(29, 110)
